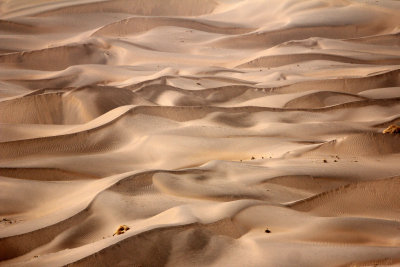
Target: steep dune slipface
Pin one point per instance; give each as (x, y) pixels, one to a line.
(215, 132)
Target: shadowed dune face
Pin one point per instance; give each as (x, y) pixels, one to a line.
(207, 133)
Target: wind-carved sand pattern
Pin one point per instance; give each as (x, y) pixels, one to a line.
(199, 133)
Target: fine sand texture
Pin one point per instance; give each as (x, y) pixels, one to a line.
(199, 133)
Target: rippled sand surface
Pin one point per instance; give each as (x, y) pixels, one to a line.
(221, 132)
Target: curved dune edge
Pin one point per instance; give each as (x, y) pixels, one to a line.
(361, 145)
(340, 202)
(169, 7)
(143, 24)
(218, 132)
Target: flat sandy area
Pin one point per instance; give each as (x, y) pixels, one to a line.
(220, 132)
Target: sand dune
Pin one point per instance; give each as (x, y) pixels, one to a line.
(221, 132)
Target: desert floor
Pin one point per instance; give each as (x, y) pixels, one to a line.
(221, 132)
